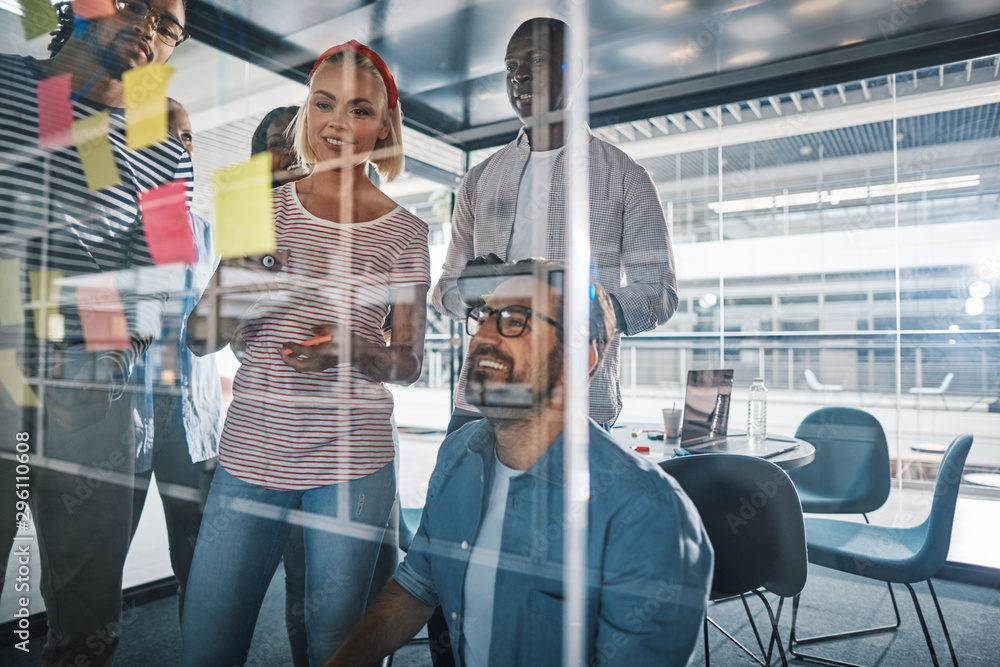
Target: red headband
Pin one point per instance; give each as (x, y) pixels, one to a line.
(357, 47)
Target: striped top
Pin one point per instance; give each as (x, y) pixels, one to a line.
(50, 219)
(292, 430)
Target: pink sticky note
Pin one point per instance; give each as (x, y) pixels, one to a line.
(166, 223)
(102, 314)
(55, 112)
(91, 9)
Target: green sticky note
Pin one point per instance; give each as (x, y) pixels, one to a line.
(11, 311)
(146, 104)
(38, 17)
(90, 135)
(244, 219)
(14, 381)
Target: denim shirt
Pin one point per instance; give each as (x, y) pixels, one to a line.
(649, 560)
(198, 406)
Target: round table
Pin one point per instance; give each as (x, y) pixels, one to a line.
(784, 452)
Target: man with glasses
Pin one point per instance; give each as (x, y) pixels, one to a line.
(489, 549)
(90, 301)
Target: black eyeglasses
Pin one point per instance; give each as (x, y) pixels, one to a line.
(167, 29)
(512, 321)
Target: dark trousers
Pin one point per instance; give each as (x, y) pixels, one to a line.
(81, 501)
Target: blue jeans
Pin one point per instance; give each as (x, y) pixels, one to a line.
(242, 537)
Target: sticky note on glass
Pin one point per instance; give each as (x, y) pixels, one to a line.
(167, 225)
(14, 381)
(90, 135)
(102, 314)
(92, 9)
(38, 17)
(146, 104)
(11, 312)
(45, 289)
(55, 112)
(244, 220)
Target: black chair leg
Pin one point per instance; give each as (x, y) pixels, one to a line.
(705, 624)
(774, 630)
(944, 627)
(792, 639)
(753, 626)
(923, 625)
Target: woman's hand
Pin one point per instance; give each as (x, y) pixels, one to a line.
(316, 354)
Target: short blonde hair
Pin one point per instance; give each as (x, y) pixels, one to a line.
(388, 154)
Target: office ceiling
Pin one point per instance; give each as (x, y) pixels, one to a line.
(647, 57)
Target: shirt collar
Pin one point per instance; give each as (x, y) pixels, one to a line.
(523, 143)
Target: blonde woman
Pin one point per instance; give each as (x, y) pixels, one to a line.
(308, 437)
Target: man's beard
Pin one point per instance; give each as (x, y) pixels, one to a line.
(518, 390)
(109, 54)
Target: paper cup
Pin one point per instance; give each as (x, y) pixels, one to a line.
(672, 422)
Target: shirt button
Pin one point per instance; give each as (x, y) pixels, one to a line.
(465, 545)
(454, 615)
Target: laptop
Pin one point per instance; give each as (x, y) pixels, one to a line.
(706, 408)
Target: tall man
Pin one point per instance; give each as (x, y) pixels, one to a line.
(513, 205)
(489, 549)
(76, 246)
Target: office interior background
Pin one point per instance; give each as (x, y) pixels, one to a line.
(829, 169)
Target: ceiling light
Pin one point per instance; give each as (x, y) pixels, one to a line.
(806, 150)
(748, 57)
(708, 300)
(979, 289)
(814, 6)
(974, 306)
(841, 195)
(953, 327)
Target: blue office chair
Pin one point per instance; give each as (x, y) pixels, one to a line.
(896, 555)
(849, 475)
(753, 519)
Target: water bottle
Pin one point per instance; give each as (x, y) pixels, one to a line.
(757, 412)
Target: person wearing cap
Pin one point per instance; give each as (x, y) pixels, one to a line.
(308, 437)
(489, 549)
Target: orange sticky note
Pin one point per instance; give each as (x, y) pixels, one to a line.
(244, 219)
(146, 104)
(92, 9)
(55, 112)
(11, 312)
(90, 135)
(14, 381)
(167, 225)
(102, 314)
(45, 289)
(38, 17)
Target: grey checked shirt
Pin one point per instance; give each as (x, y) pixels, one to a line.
(630, 250)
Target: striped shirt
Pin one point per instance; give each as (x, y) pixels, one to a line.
(50, 219)
(292, 430)
(631, 256)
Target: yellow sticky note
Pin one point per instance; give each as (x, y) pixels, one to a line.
(11, 312)
(38, 17)
(90, 135)
(146, 104)
(14, 381)
(45, 303)
(244, 220)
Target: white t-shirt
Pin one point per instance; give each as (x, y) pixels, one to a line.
(481, 575)
(531, 217)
